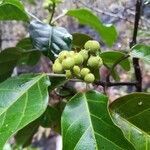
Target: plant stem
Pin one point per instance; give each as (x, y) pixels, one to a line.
(52, 13)
(136, 65)
(108, 84)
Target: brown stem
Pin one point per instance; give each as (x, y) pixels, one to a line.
(137, 70)
(108, 84)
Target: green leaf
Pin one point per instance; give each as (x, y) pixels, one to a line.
(111, 57)
(12, 10)
(22, 100)
(56, 81)
(52, 118)
(24, 137)
(8, 60)
(141, 51)
(29, 55)
(86, 124)
(48, 39)
(107, 32)
(11, 57)
(79, 39)
(132, 113)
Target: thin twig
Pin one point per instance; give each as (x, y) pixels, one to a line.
(136, 65)
(108, 84)
(52, 13)
(55, 75)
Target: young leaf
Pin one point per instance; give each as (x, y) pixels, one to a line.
(86, 124)
(111, 57)
(141, 51)
(48, 39)
(132, 113)
(107, 32)
(22, 100)
(12, 10)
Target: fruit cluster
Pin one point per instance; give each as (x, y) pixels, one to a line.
(79, 64)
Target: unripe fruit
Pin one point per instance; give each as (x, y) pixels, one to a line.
(92, 46)
(76, 70)
(94, 61)
(57, 68)
(68, 63)
(62, 55)
(56, 61)
(71, 53)
(89, 78)
(78, 59)
(84, 72)
(68, 74)
(84, 54)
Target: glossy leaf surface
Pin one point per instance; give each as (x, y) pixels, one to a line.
(141, 51)
(22, 100)
(132, 113)
(86, 124)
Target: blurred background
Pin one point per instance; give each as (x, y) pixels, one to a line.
(118, 12)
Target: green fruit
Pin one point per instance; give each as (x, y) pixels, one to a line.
(92, 46)
(68, 74)
(71, 53)
(84, 54)
(78, 59)
(56, 61)
(76, 70)
(68, 63)
(89, 78)
(94, 61)
(63, 55)
(84, 72)
(57, 68)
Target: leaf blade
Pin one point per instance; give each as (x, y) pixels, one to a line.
(141, 51)
(81, 119)
(12, 10)
(131, 113)
(107, 32)
(18, 103)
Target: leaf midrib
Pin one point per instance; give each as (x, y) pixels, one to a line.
(125, 120)
(24, 92)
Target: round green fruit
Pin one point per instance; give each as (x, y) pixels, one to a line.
(63, 55)
(84, 72)
(68, 74)
(76, 70)
(68, 63)
(78, 59)
(89, 78)
(92, 46)
(94, 61)
(56, 61)
(71, 53)
(57, 68)
(84, 54)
